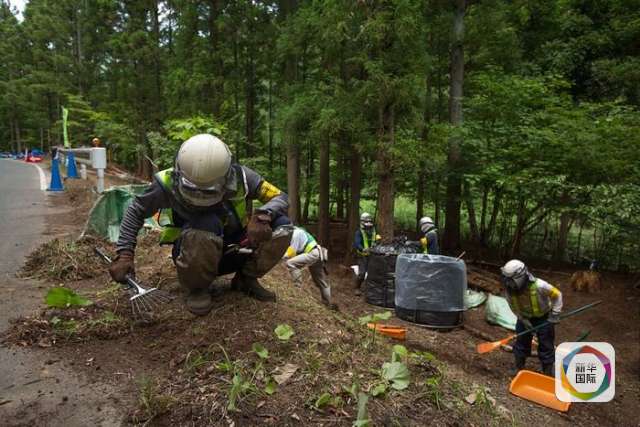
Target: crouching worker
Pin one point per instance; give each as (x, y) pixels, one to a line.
(204, 204)
(305, 252)
(534, 301)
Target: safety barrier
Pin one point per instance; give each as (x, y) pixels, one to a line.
(97, 159)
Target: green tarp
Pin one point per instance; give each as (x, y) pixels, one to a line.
(499, 313)
(473, 298)
(107, 213)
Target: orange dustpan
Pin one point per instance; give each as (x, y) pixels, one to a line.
(396, 332)
(537, 388)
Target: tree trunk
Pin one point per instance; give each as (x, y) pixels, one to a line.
(577, 258)
(420, 197)
(323, 203)
(17, 136)
(497, 198)
(563, 235)
(518, 233)
(436, 203)
(471, 210)
(386, 194)
(451, 238)
(483, 212)
(354, 206)
(293, 179)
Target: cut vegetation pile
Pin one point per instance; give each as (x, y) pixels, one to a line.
(62, 260)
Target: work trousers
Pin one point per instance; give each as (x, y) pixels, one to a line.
(546, 340)
(314, 262)
(199, 253)
(363, 265)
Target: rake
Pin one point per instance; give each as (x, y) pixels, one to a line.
(143, 301)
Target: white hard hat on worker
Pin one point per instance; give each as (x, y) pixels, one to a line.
(203, 170)
(515, 275)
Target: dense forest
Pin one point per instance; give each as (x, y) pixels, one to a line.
(513, 123)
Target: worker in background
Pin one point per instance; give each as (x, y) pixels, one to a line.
(429, 239)
(204, 204)
(365, 239)
(535, 302)
(95, 142)
(305, 252)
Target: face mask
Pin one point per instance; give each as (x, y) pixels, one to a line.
(198, 196)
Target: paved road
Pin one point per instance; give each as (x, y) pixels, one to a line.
(35, 389)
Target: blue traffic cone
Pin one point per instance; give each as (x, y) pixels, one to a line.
(56, 180)
(72, 171)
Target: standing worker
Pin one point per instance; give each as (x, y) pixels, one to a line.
(304, 251)
(204, 204)
(535, 302)
(365, 238)
(429, 240)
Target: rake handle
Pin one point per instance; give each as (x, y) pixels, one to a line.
(562, 316)
(130, 280)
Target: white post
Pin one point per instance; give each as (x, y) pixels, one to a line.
(83, 171)
(100, 184)
(99, 163)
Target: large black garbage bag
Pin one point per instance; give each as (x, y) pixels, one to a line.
(380, 284)
(430, 290)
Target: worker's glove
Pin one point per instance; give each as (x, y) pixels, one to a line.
(527, 323)
(259, 229)
(554, 318)
(122, 266)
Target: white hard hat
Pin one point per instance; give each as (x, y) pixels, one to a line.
(426, 224)
(515, 274)
(203, 165)
(366, 220)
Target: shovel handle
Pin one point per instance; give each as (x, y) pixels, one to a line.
(562, 316)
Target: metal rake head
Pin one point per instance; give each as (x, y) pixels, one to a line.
(146, 301)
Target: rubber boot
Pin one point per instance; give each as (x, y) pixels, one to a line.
(358, 287)
(548, 369)
(251, 287)
(199, 302)
(519, 365)
(326, 299)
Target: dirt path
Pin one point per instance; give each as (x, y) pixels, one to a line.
(36, 388)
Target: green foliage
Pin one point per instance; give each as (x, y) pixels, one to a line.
(397, 374)
(284, 332)
(362, 418)
(61, 297)
(239, 387)
(375, 317)
(260, 350)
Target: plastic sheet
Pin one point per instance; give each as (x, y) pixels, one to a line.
(380, 280)
(474, 298)
(430, 289)
(107, 213)
(498, 312)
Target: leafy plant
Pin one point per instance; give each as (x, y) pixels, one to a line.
(362, 419)
(374, 318)
(322, 400)
(284, 332)
(271, 387)
(239, 387)
(396, 374)
(433, 390)
(260, 350)
(61, 297)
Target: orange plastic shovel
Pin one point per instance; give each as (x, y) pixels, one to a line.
(486, 347)
(537, 388)
(397, 332)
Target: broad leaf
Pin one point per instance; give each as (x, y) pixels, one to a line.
(284, 332)
(397, 374)
(61, 297)
(260, 350)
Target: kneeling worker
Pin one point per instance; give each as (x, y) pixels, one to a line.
(304, 251)
(204, 204)
(534, 301)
